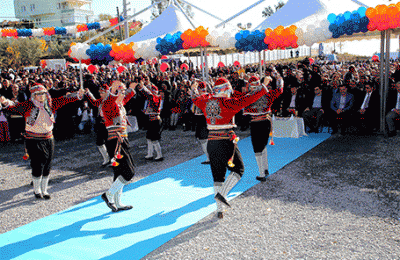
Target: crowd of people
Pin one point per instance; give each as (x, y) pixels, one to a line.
(39, 104)
(302, 84)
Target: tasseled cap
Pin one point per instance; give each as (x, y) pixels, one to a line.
(202, 85)
(35, 89)
(254, 81)
(222, 87)
(104, 88)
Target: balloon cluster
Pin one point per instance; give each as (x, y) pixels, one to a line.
(24, 32)
(43, 64)
(123, 52)
(224, 39)
(250, 41)
(170, 43)
(78, 52)
(383, 17)
(9, 33)
(281, 37)
(100, 54)
(348, 23)
(313, 33)
(196, 38)
(58, 30)
(146, 50)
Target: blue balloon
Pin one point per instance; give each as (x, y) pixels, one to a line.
(331, 18)
(158, 40)
(347, 15)
(362, 11)
(238, 36)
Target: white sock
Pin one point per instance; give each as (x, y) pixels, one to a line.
(264, 160)
(36, 184)
(260, 164)
(217, 188)
(117, 185)
(150, 148)
(117, 198)
(44, 184)
(204, 147)
(104, 153)
(157, 147)
(229, 183)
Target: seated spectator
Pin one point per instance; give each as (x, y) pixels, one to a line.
(366, 115)
(85, 114)
(316, 105)
(341, 106)
(292, 102)
(393, 109)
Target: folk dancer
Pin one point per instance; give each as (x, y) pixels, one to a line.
(260, 125)
(39, 112)
(219, 109)
(111, 108)
(154, 127)
(201, 132)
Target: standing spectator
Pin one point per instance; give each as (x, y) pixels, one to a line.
(4, 130)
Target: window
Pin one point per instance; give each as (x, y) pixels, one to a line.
(59, 6)
(32, 7)
(23, 8)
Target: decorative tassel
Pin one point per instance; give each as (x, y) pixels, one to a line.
(114, 163)
(26, 156)
(271, 142)
(230, 163)
(119, 156)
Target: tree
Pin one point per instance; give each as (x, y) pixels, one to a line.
(105, 17)
(162, 5)
(268, 11)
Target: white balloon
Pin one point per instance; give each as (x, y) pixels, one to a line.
(105, 24)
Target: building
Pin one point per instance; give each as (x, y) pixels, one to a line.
(54, 13)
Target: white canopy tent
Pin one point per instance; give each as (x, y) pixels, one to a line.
(170, 21)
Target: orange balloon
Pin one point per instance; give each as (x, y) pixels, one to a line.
(278, 30)
(292, 29)
(371, 12)
(268, 32)
(381, 9)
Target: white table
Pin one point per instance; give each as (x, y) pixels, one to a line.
(292, 127)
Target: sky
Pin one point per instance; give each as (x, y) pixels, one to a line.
(223, 9)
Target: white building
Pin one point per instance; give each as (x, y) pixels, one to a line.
(54, 13)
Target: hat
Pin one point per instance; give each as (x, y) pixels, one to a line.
(254, 80)
(104, 87)
(222, 88)
(202, 85)
(35, 89)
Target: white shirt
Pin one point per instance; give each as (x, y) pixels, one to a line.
(342, 101)
(365, 105)
(293, 102)
(398, 101)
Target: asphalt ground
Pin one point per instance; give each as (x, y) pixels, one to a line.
(340, 200)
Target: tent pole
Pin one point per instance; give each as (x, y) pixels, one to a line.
(80, 74)
(264, 61)
(202, 10)
(120, 23)
(206, 58)
(186, 16)
(202, 62)
(381, 65)
(387, 74)
(241, 12)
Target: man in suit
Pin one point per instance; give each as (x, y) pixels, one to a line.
(341, 105)
(393, 109)
(292, 102)
(316, 105)
(366, 115)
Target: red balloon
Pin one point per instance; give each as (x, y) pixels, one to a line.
(164, 57)
(92, 68)
(184, 66)
(164, 66)
(375, 58)
(236, 63)
(121, 69)
(311, 60)
(221, 64)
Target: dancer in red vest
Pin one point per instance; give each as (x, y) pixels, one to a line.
(39, 117)
(111, 108)
(154, 127)
(219, 109)
(260, 125)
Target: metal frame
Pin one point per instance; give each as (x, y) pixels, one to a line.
(241, 12)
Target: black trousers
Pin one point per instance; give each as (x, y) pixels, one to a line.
(154, 130)
(101, 132)
(41, 153)
(259, 133)
(201, 131)
(126, 167)
(220, 151)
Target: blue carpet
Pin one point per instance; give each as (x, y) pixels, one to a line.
(165, 204)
